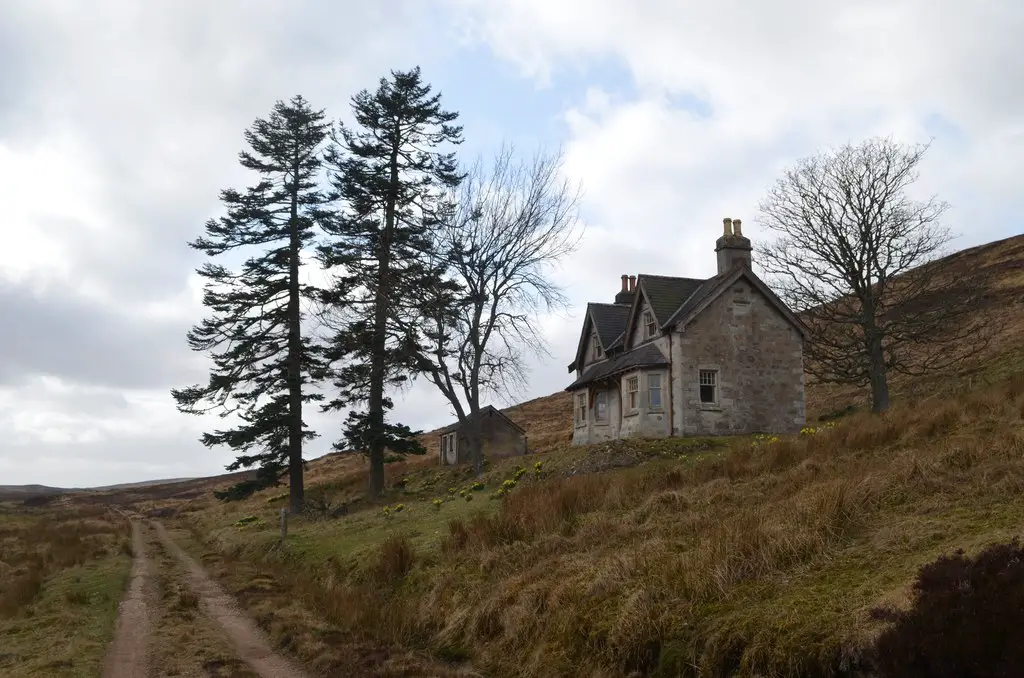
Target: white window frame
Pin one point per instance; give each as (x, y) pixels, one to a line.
(633, 392)
(650, 324)
(596, 351)
(651, 388)
(707, 378)
(601, 398)
(581, 409)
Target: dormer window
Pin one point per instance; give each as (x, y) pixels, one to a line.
(597, 351)
(650, 327)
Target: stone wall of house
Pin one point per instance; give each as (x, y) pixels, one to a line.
(645, 421)
(621, 422)
(502, 439)
(759, 361)
(593, 430)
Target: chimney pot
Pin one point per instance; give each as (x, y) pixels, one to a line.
(736, 227)
(727, 226)
(632, 283)
(625, 282)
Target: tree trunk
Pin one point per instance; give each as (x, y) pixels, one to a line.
(296, 490)
(380, 319)
(877, 373)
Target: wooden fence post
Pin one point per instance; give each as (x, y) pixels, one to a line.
(284, 523)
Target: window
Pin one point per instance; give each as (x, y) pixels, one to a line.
(598, 351)
(650, 328)
(581, 408)
(601, 407)
(709, 386)
(654, 389)
(633, 389)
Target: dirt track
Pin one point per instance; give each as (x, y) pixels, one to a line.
(146, 614)
(126, 657)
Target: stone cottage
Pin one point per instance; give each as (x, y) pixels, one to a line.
(690, 357)
(502, 437)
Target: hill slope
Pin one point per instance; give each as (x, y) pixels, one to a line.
(548, 420)
(745, 556)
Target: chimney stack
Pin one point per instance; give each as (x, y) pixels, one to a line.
(733, 248)
(625, 295)
(632, 283)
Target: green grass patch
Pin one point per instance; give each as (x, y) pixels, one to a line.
(66, 629)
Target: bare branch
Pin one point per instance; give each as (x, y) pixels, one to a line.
(851, 257)
(510, 224)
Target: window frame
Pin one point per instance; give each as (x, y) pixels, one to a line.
(595, 347)
(650, 324)
(708, 378)
(651, 389)
(601, 398)
(633, 394)
(581, 409)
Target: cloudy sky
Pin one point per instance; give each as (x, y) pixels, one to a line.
(120, 121)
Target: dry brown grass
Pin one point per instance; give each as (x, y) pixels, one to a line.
(765, 560)
(62, 573)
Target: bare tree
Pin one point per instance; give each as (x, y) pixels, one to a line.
(511, 224)
(853, 258)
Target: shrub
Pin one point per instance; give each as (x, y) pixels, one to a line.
(967, 619)
(438, 503)
(394, 560)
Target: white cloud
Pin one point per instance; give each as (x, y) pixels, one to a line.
(725, 95)
(119, 124)
(120, 121)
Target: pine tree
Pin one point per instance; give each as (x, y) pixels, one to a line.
(262, 363)
(391, 177)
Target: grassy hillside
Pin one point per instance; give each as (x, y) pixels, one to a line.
(747, 555)
(704, 557)
(62, 573)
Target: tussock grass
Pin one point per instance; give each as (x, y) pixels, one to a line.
(763, 560)
(62, 574)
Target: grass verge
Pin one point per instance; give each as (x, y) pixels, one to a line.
(63, 575)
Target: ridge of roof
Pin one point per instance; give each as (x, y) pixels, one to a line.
(483, 410)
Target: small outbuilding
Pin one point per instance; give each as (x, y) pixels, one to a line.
(502, 437)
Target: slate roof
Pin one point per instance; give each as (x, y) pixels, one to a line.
(647, 355)
(666, 294)
(702, 292)
(609, 321)
(484, 411)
